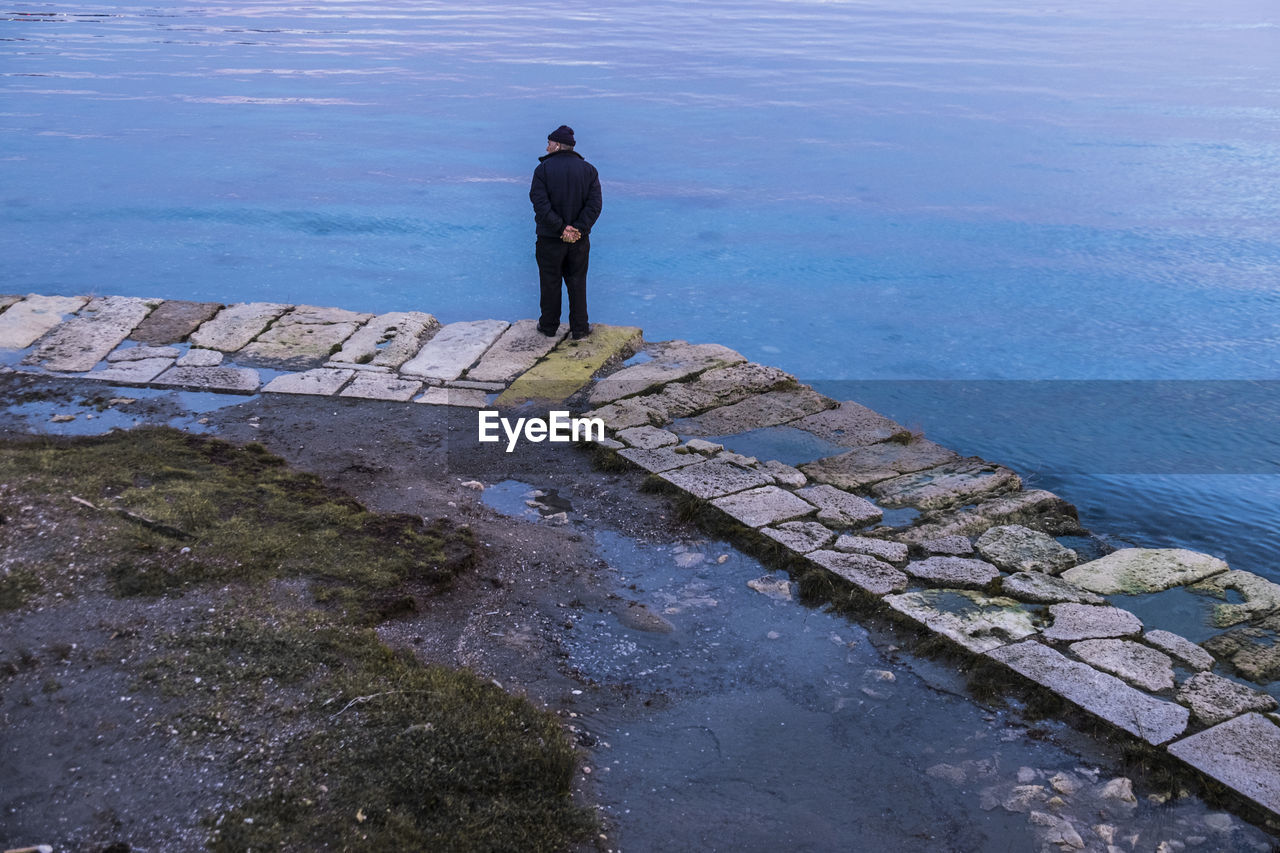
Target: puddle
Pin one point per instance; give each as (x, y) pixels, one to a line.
(521, 500)
(639, 358)
(900, 517)
(789, 445)
(119, 407)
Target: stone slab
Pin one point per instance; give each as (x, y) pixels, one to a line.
(975, 621)
(872, 576)
(719, 387)
(236, 380)
(25, 322)
(1015, 548)
(87, 338)
(388, 340)
(782, 474)
(487, 387)
(800, 536)
(660, 459)
(201, 358)
(1035, 508)
(771, 408)
(304, 337)
(382, 386)
(1089, 622)
(173, 321)
(519, 347)
(569, 367)
(673, 361)
(1040, 588)
(235, 326)
(137, 372)
(881, 549)
(8, 299)
(851, 425)
(758, 507)
(1214, 699)
(1259, 597)
(139, 353)
(1134, 571)
(1179, 647)
(321, 382)
(1137, 664)
(465, 397)
(1243, 754)
(948, 484)
(453, 349)
(1252, 651)
(714, 478)
(1154, 720)
(865, 466)
(839, 508)
(949, 546)
(647, 437)
(954, 572)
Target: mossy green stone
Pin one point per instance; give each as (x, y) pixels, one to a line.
(570, 366)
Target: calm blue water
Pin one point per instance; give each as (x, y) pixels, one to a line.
(919, 189)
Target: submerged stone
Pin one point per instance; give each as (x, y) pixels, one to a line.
(850, 425)
(1134, 571)
(672, 361)
(867, 573)
(839, 508)
(1036, 508)
(1087, 622)
(1252, 651)
(1015, 548)
(1260, 595)
(1187, 652)
(961, 481)
(801, 536)
(1137, 664)
(1154, 720)
(864, 466)
(1046, 589)
(954, 571)
(1243, 754)
(976, 621)
(1214, 699)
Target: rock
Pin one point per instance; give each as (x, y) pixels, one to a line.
(850, 425)
(235, 326)
(139, 353)
(1242, 753)
(1037, 508)
(86, 339)
(62, 419)
(321, 382)
(1057, 831)
(864, 466)
(783, 475)
(236, 380)
(737, 459)
(971, 619)
(774, 587)
(756, 507)
(868, 574)
(464, 397)
(514, 352)
(1154, 720)
(1087, 622)
(132, 372)
(882, 549)
(718, 387)
(1119, 789)
(609, 443)
(200, 358)
(453, 349)
(647, 437)
(305, 337)
(1015, 548)
(1064, 783)
(1022, 798)
(628, 413)
(673, 361)
(698, 445)
(471, 385)
(569, 367)
(950, 546)
(662, 459)
(955, 572)
(767, 409)
(641, 618)
(1046, 589)
(1137, 664)
(689, 559)
(840, 508)
(1027, 775)
(382, 386)
(800, 536)
(715, 478)
(387, 340)
(1260, 595)
(1219, 822)
(1252, 651)
(1134, 571)
(25, 322)
(172, 321)
(1214, 699)
(949, 772)
(961, 481)
(1181, 648)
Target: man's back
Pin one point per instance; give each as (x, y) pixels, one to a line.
(565, 191)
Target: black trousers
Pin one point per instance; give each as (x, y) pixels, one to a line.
(560, 261)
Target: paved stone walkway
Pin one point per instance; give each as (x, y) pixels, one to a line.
(978, 563)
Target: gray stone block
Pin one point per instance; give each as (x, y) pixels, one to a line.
(235, 326)
(139, 353)
(851, 425)
(172, 321)
(138, 372)
(1087, 622)
(864, 466)
(961, 481)
(86, 339)
(714, 478)
(801, 536)
(1258, 595)
(782, 474)
(1154, 720)
(453, 349)
(1133, 571)
(949, 546)
(487, 387)
(771, 408)
(1243, 754)
(25, 322)
(955, 572)
(381, 386)
(1181, 648)
(758, 507)
(514, 352)
(672, 361)
(661, 459)
(304, 337)
(200, 358)
(648, 438)
(1137, 664)
(1252, 651)
(867, 573)
(236, 380)
(1214, 699)
(322, 382)
(882, 549)
(454, 397)
(976, 621)
(1015, 548)
(1036, 508)
(387, 341)
(1046, 589)
(839, 508)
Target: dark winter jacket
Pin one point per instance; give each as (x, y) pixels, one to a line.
(565, 191)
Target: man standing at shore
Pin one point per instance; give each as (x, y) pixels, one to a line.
(566, 202)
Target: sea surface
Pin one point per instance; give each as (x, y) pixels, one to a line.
(1045, 233)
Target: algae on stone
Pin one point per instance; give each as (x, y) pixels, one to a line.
(1134, 571)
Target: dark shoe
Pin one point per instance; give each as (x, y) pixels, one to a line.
(550, 334)
(577, 336)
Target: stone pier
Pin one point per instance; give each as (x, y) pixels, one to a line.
(979, 564)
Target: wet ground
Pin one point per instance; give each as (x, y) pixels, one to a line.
(716, 711)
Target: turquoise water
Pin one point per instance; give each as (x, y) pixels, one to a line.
(952, 192)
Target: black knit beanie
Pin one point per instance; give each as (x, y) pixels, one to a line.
(562, 134)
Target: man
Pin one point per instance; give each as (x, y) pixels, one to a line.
(566, 202)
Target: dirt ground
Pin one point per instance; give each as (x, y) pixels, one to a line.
(92, 760)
